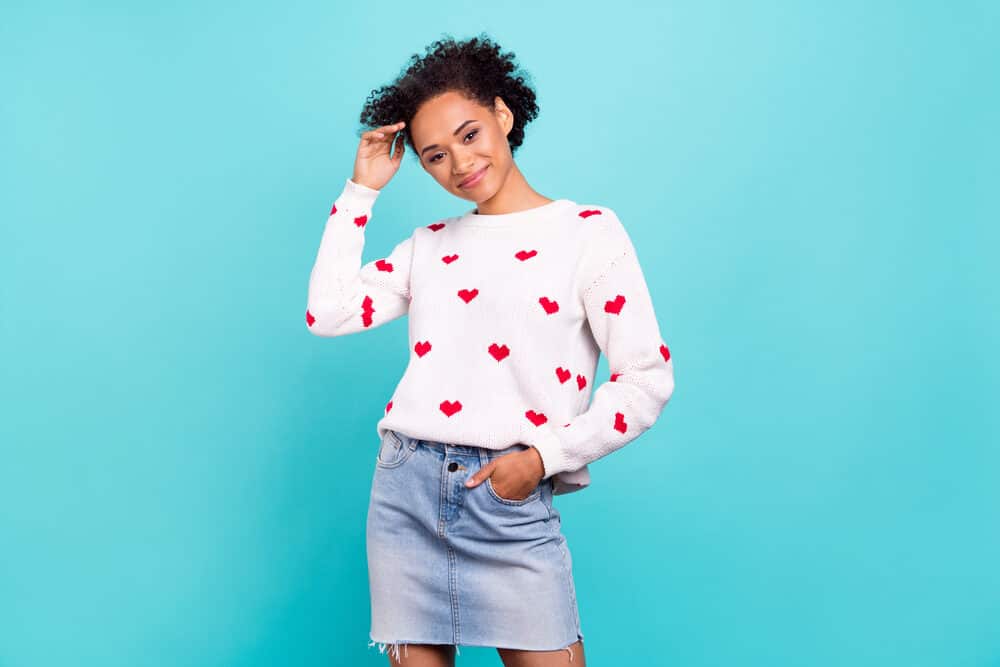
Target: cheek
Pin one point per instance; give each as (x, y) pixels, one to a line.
(442, 176)
(492, 144)
(498, 148)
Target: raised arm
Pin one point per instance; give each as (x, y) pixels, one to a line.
(621, 317)
(344, 296)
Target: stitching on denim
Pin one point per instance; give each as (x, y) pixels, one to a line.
(404, 451)
(509, 501)
(569, 584)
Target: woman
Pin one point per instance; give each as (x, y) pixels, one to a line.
(510, 305)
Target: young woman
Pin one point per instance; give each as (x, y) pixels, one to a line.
(510, 305)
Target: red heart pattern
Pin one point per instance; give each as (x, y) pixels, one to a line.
(450, 407)
(549, 306)
(620, 424)
(309, 318)
(536, 418)
(499, 352)
(496, 350)
(367, 311)
(614, 306)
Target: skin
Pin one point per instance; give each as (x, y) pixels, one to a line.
(434, 655)
(560, 658)
(450, 157)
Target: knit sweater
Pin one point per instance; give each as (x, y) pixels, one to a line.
(508, 314)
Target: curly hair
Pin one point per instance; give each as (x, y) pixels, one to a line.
(475, 68)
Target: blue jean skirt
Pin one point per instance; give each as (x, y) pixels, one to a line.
(454, 565)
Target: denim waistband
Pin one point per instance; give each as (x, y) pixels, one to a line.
(471, 450)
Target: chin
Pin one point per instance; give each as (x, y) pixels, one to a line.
(476, 197)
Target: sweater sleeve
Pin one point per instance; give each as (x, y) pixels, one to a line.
(344, 296)
(620, 314)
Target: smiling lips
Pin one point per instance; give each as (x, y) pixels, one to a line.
(475, 178)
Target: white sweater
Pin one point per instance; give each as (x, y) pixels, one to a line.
(508, 316)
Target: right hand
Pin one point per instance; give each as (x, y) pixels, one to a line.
(373, 166)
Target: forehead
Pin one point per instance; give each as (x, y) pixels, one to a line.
(438, 117)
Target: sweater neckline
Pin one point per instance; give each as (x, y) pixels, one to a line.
(497, 220)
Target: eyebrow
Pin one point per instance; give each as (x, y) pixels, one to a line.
(457, 130)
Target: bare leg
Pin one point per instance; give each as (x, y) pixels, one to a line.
(419, 655)
(571, 656)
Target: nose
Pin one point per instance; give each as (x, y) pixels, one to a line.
(467, 162)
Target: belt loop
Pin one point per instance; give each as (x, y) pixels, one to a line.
(483, 457)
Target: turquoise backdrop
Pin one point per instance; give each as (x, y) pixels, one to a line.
(813, 192)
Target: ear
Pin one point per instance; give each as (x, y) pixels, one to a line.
(503, 113)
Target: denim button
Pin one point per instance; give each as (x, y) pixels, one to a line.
(452, 467)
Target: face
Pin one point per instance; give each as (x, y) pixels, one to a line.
(457, 138)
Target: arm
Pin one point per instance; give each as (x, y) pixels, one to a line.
(344, 296)
(621, 317)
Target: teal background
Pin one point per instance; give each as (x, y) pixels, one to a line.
(812, 189)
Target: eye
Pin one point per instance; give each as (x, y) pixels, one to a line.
(470, 134)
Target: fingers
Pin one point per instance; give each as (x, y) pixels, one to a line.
(381, 132)
(481, 474)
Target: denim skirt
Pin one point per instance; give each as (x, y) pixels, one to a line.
(454, 565)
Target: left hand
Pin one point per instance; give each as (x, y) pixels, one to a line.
(515, 475)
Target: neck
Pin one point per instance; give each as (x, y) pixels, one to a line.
(514, 195)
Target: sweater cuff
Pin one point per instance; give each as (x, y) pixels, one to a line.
(550, 448)
(357, 197)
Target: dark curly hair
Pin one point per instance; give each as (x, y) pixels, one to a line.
(474, 68)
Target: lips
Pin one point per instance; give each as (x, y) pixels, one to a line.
(474, 178)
